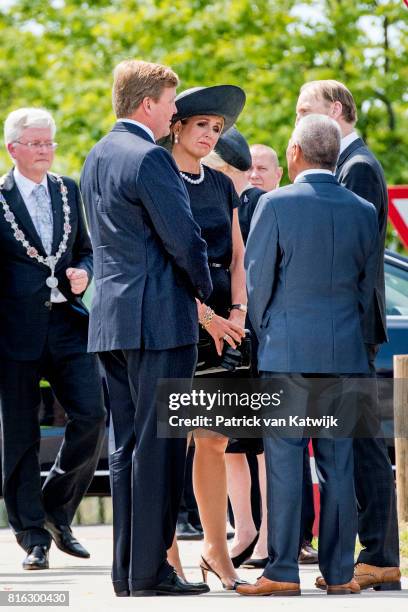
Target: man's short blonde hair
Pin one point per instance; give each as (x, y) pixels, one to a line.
(334, 91)
(134, 80)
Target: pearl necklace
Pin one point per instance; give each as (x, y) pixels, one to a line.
(194, 181)
(51, 260)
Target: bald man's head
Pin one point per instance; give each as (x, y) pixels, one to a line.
(265, 172)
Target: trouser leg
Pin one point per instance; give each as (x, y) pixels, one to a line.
(121, 446)
(284, 471)
(76, 382)
(377, 511)
(20, 398)
(376, 499)
(338, 513)
(147, 472)
(155, 499)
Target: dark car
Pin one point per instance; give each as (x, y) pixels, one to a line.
(396, 290)
(396, 281)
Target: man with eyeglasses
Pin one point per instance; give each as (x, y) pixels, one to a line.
(45, 267)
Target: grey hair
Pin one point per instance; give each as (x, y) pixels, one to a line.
(319, 138)
(23, 118)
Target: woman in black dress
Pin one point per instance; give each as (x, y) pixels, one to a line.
(244, 456)
(202, 115)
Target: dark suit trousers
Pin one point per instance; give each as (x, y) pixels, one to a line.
(376, 502)
(74, 378)
(285, 459)
(147, 472)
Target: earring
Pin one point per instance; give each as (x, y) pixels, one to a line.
(176, 139)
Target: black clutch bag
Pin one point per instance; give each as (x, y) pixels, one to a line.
(209, 362)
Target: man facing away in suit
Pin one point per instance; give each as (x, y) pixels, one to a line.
(45, 266)
(307, 281)
(150, 265)
(357, 169)
(233, 157)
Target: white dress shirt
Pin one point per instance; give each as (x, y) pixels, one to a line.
(25, 187)
(312, 171)
(141, 125)
(347, 140)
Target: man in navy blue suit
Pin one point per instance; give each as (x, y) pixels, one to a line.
(150, 264)
(360, 171)
(311, 262)
(45, 267)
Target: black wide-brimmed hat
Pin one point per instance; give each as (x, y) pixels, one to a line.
(234, 149)
(227, 101)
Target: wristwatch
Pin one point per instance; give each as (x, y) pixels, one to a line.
(241, 307)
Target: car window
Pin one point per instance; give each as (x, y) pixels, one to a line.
(396, 290)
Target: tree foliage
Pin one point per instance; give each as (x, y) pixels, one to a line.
(60, 55)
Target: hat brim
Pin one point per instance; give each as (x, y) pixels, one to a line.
(234, 149)
(225, 101)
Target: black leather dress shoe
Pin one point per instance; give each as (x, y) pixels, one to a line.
(185, 531)
(37, 558)
(308, 554)
(255, 563)
(122, 593)
(65, 541)
(173, 585)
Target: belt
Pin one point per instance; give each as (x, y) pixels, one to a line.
(50, 305)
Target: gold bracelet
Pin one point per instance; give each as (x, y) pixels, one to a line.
(207, 318)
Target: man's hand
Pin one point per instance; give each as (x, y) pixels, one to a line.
(78, 279)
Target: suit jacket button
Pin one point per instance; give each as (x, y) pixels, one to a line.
(48, 304)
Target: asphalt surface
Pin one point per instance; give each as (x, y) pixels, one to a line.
(89, 586)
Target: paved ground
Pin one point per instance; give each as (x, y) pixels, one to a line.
(88, 583)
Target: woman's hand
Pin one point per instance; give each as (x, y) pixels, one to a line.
(224, 330)
(237, 316)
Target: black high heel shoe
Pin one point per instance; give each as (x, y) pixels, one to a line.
(255, 563)
(245, 554)
(206, 567)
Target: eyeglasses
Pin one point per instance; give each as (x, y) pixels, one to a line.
(36, 145)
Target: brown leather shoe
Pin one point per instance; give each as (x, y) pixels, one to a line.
(307, 554)
(264, 586)
(371, 576)
(320, 583)
(378, 578)
(349, 588)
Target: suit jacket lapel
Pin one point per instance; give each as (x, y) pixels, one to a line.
(56, 202)
(18, 207)
(356, 144)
